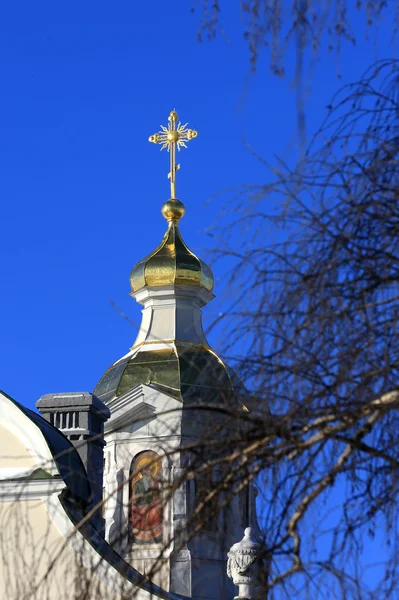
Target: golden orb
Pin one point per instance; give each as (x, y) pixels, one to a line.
(173, 210)
(173, 136)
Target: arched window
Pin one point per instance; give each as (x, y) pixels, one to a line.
(146, 510)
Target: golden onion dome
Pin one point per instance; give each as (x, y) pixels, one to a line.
(172, 263)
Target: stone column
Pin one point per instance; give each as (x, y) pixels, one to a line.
(180, 558)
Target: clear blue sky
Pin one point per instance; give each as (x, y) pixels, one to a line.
(83, 85)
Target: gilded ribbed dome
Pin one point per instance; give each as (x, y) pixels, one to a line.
(187, 372)
(171, 263)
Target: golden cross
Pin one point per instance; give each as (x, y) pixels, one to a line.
(172, 136)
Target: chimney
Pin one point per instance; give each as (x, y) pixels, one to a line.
(80, 416)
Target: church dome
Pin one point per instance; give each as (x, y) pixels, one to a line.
(188, 369)
(171, 263)
(188, 372)
(171, 353)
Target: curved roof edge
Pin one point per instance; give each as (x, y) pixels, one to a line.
(113, 559)
(49, 444)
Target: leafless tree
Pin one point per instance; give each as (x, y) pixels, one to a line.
(311, 329)
(298, 28)
(274, 24)
(314, 272)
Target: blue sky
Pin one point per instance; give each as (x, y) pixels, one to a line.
(83, 85)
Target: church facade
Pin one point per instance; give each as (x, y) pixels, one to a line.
(122, 492)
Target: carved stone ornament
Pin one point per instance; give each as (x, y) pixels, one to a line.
(243, 565)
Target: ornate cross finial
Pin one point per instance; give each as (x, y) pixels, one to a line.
(175, 134)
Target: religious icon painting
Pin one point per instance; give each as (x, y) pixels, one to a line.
(146, 511)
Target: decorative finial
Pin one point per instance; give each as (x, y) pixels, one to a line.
(244, 565)
(172, 136)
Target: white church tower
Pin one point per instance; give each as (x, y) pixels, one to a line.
(171, 400)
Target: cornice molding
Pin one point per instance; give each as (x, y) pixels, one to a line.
(35, 489)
